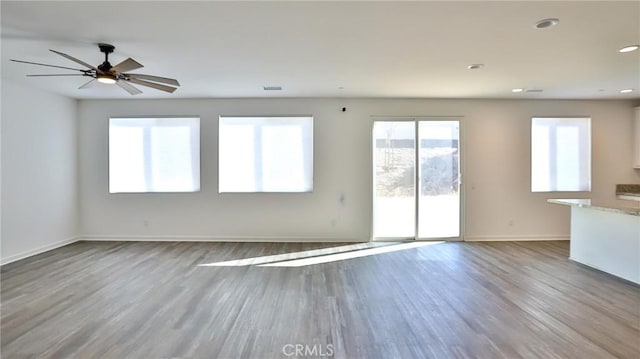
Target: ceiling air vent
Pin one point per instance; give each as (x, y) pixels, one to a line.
(534, 90)
(272, 88)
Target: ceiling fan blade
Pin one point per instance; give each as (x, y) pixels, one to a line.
(127, 65)
(56, 75)
(88, 84)
(164, 80)
(152, 85)
(37, 63)
(75, 60)
(128, 87)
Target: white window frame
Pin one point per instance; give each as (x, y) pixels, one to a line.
(306, 125)
(147, 123)
(553, 124)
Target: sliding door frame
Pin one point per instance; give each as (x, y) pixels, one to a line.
(461, 170)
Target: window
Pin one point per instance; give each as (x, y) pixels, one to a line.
(560, 154)
(154, 154)
(265, 154)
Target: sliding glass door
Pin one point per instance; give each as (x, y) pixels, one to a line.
(402, 209)
(439, 178)
(394, 179)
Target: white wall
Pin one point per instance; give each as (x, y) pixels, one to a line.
(496, 171)
(39, 171)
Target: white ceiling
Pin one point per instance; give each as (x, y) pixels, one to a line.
(334, 49)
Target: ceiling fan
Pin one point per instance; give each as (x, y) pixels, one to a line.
(108, 74)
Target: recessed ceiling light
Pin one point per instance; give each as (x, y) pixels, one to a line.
(545, 23)
(272, 88)
(475, 66)
(629, 48)
(517, 90)
(626, 90)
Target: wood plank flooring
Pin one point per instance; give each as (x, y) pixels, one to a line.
(448, 300)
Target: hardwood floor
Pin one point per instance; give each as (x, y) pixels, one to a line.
(449, 300)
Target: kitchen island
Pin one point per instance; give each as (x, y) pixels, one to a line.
(606, 235)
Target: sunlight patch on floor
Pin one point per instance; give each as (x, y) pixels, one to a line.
(293, 255)
(348, 255)
(322, 255)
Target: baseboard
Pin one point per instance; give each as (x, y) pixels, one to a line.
(178, 238)
(515, 238)
(39, 250)
(293, 239)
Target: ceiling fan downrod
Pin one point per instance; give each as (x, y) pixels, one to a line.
(106, 49)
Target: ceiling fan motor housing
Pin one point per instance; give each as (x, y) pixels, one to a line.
(105, 67)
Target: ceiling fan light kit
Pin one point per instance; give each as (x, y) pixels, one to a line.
(106, 78)
(107, 74)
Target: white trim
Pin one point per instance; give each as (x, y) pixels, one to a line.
(190, 238)
(38, 250)
(516, 238)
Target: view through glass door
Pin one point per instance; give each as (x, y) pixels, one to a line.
(431, 209)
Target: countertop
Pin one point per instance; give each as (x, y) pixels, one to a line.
(618, 206)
